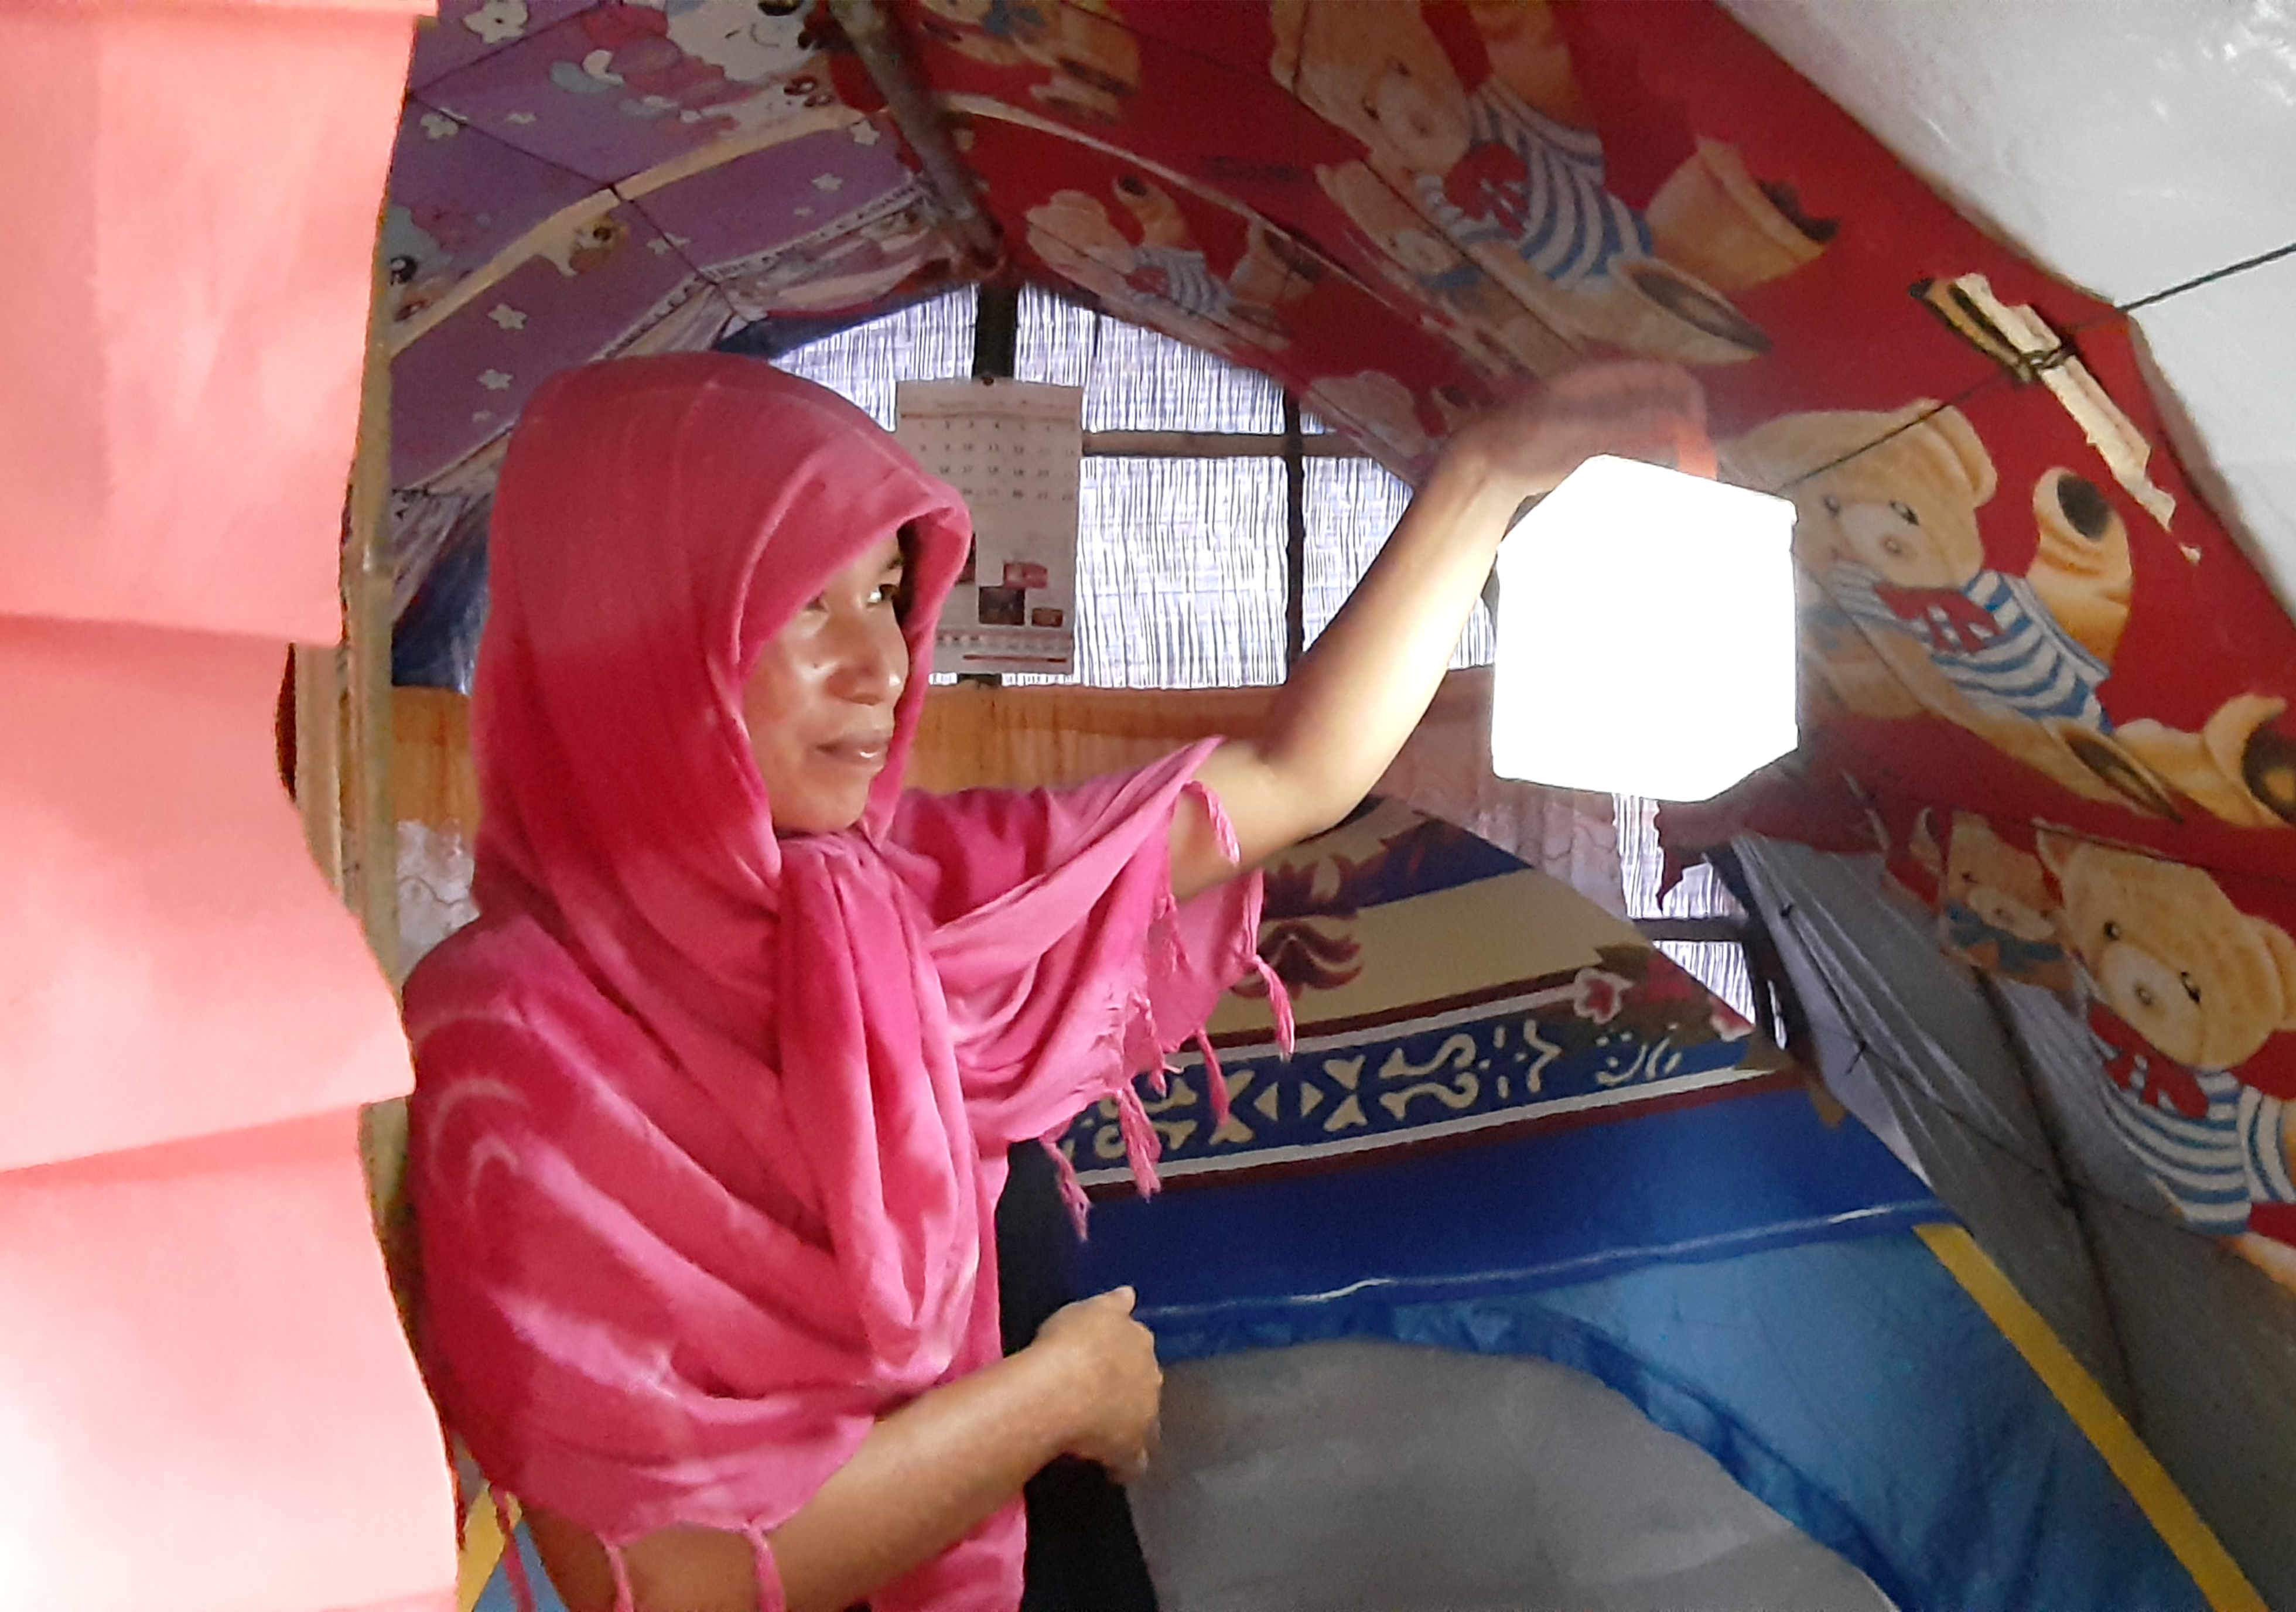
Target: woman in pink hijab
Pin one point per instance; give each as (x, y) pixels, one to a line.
(714, 1098)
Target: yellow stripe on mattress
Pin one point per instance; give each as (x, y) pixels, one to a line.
(2214, 1571)
(483, 1549)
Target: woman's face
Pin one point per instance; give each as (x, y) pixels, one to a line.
(820, 705)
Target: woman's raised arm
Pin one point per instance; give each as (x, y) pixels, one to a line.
(1360, 690)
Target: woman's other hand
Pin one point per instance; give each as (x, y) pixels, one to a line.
(925, 1475)
(1104, 1364)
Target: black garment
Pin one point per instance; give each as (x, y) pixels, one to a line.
(1083, 1554)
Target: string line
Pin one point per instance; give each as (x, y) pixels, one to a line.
(2055, 357)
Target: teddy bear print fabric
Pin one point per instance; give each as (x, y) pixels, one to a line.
(1468, 195)
(1989, 635)
(1403, 211)
(1907, 614)
(2179, 990)
(2179, 986)
(2213, 1145)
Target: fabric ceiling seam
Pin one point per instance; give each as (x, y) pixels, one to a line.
(693, 269)
(417, 97)
(2065, 1189)
(619, 193)
(1873, 1221)
(2193, 1543)
(2061, 1181)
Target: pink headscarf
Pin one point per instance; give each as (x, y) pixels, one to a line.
(709, 1125)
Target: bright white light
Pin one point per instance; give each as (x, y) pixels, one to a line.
(1645, 634)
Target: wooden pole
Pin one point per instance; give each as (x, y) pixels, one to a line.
(371, 831)
(997, 333)
(913, 112)
(319, 755)
(995, 350)
(1295, 535)
(368, 825)
(1215, 445)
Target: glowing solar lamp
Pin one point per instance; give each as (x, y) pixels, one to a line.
(1645, 631)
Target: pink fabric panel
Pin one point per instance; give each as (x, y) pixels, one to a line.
(173, 965)
(205, 1400)
(183, 306)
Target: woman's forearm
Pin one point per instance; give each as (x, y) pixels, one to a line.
(1360, 690)
(923, 1478)
(1361, 687)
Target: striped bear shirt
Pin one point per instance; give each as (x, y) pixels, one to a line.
(1537, 186)
(1992, 638)
(2213, 1145)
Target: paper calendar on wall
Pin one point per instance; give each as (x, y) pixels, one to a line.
(1012, 448)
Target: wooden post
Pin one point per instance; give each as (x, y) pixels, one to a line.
(1295, 536)
(371, 831)
(367, 829)
(319, 755)
(996, 348)
(997, 333)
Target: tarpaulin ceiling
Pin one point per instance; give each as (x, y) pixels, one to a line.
(1402, 210)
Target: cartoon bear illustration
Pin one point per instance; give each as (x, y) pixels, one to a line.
(426, 248)
(417, 266)
(740, 63)
(2180, 988)
(585, 244)
(1463, 304)
(1091, 59)
(1472, 117)
(1995, 909)
(1163, 278)
(1902, 593)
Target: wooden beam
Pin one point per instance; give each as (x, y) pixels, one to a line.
(921, 123)
(1212, 445)
(996, 348)
(997, 333)
(367, 835)
(371, 826)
